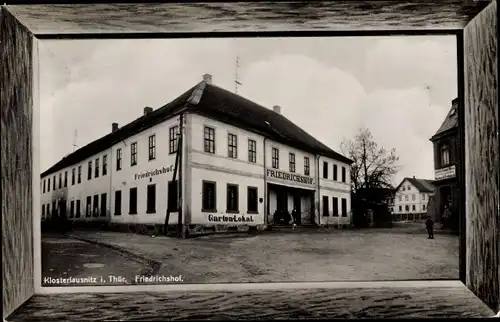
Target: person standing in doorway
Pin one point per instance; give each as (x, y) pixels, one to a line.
(445, 217)
(295, 215)
(429, 226)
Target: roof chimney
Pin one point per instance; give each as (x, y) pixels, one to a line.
(413, 177)
(207, 78)
(114, 127)
(148, 110)
(277, 109)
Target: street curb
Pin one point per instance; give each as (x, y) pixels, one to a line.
(153, 266)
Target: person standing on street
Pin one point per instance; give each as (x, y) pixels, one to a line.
(429, 226)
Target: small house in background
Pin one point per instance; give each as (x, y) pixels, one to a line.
(411, 198)
(446, 143)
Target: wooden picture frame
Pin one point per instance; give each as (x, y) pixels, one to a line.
(474, 23)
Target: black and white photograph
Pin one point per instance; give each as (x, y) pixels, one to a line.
(241, 160)
(249, 160)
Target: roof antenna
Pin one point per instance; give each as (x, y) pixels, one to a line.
(74, 141)
(236, 80)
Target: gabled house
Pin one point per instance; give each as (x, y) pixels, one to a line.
(411, 198)
(447, 165)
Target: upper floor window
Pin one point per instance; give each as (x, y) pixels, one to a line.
(60, 180)
(232, 146)
(133, 154)
(104, 165)
(73, 176)
(275, 158)
(252, 151)
(173, 139)
(344, 174)
(325, 170)
(423, 197)
(413, 197)
(400, 198)
(291, 162)
(408, 188)
(89, 172)
(118, 159)
(404, 188)
(335, 169)
(209, 139)
(152, 147)
(44, 182)
(65, 179)
(96, 168)
(79, 174)
(406, 197)
(48, 184)
(445, 155)
(307, 169)
(54, 182)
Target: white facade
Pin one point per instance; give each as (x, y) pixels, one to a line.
(251, 175)
(409, 200)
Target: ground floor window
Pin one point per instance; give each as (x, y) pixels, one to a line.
(78, 211)
(232, 198)
(96, 206)
(209, 196)
(344, 207)
(173, 196)
(118, 202)
(103, 204)
(132, 202)
(88, 210)
(72, 209)
(151, 199)
(335, 206)
(252, 200)
(326, 211)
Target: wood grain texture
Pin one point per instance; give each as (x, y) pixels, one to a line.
(16, 162)
(451, 302)
(482, 157)
(247, 16)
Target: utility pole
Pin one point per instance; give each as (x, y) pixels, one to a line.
(74, 141)
(236, 80)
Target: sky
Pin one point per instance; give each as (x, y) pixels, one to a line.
(400, 88)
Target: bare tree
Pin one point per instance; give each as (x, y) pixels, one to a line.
(373, 166)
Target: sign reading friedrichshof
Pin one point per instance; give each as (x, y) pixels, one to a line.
(152, 173)
(289, 176)
(444, 173)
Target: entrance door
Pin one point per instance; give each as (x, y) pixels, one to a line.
(62, 209)
(297, 204)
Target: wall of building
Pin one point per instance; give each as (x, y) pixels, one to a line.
(334, 187)
(410, 197)
(146, 172)
(219, 168)
(129, 176)
(79, 191)
(283, 176)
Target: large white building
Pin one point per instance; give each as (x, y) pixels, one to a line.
(239, 163)
(411, 198)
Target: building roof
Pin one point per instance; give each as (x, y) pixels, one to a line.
(451, 120)
(422, 185)
(211, 101)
